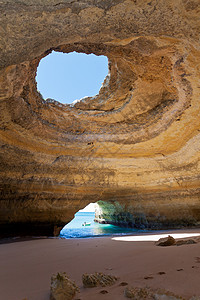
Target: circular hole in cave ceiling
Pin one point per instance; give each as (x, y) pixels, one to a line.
(67, 77)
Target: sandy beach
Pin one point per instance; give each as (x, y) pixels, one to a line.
(26, 266)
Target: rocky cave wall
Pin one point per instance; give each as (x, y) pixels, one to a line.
(135, 145)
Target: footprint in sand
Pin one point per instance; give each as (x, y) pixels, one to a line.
(123, 283)
(197, 259)
(103, 292)
(161, 273)
(148, 277)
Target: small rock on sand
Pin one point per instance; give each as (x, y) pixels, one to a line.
(167, 241)
(185, 242)
(62, 288)
(149, 294)
(98, 279)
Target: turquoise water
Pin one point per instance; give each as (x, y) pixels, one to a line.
(74, 229)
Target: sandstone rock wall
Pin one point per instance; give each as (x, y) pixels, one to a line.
(136, 143)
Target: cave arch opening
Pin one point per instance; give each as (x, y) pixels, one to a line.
(82, 224)
(89, 222)
(69, 77)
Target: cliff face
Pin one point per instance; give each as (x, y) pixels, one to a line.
(136, 143)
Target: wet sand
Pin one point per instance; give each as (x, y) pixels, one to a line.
(26, 266)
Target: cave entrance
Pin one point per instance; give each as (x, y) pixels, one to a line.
(85, 225)
(68, 77)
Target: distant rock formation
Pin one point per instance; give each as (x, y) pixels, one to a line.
(135, 145)
(169, 241)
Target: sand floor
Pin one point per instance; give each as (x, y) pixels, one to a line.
(26, 266)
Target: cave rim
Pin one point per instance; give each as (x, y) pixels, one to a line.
(103, 49)
(89, 48)
(70, 102)
(79, 48)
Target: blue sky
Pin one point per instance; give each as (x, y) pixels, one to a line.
(68, 77)
(89, 208)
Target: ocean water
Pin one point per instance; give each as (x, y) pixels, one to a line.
(74, 229)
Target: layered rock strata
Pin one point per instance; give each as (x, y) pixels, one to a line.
(136, 143)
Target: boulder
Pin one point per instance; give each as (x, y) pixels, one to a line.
(167, 241)
(98, 279)
(62, 288)
(185, 242)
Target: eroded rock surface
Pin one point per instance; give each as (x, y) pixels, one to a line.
(62, 288)
(136, 143)
(98, 279)
(147, 293)
(170, 241)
